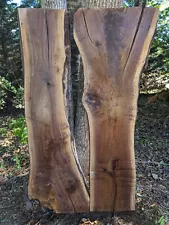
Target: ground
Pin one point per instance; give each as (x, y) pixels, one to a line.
(152, 163)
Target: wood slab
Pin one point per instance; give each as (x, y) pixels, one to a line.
(55, 178)
(114, 44)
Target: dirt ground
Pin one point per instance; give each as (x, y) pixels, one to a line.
(152, 190)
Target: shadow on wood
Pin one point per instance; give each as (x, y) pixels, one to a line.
(114, 44)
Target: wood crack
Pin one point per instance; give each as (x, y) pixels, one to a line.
(134, 38)
(72, 204)
(114, 166)
(84, 17)
(47, 33)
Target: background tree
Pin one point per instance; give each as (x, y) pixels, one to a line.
(11, 75)
(10, 64)
(157, 74)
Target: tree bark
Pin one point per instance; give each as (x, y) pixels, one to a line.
(94, 3)
(54, 4)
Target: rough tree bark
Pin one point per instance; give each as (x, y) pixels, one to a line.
(54, 4)
(102, 3)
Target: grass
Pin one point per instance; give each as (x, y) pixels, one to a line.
(14, 157)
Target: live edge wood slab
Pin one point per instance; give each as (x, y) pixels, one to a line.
(114, 44)
(55, 178)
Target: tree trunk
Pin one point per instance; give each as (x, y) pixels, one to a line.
(102, 3)
(81, 129)
(54, 4)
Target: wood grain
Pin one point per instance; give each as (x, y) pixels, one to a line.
(55, 178)
(114, 44)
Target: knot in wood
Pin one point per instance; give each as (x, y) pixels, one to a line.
(93, 100)
(98, 44)
(70, 185)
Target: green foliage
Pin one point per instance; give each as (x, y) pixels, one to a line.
(162, 221)
(3, 96)
(17, 159)
(159, 54)
(6, 89)
(18, 99)
(19, 130)
(30, 3)
(13, 147)
(3, 131)
(10, 57)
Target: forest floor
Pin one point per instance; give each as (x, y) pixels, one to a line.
(152, 189)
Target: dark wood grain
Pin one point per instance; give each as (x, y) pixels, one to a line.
(55, 178)
(114, 44)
